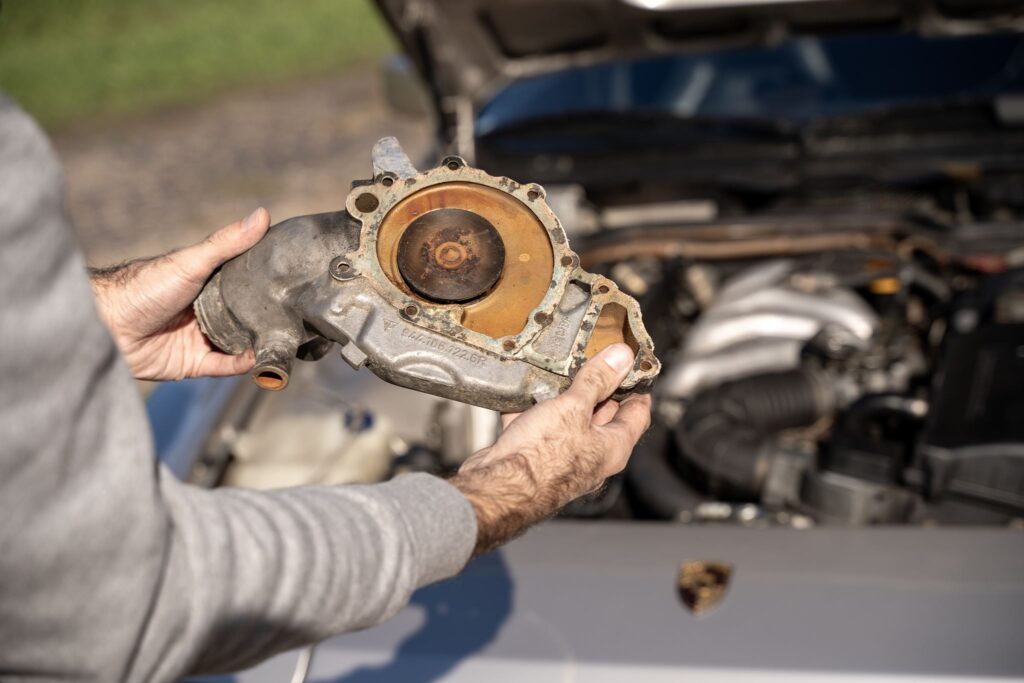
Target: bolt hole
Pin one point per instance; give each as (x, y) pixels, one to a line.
(532, 195)
(387, 181)
(646, 365)
(344, 267)
(567, 261)
(452, 163)
(508, 345)
(603, 289)
(366, 203)
(411, 310)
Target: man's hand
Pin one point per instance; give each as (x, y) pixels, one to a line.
(555, 452)
(147, 305)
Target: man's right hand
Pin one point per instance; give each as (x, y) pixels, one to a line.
(555, 452)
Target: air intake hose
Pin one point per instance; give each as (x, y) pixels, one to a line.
(729, 431)
(661, 490)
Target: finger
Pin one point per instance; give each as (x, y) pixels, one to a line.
(601, 375)
(508, 418)
(621, 434)
(631, 421)
(604, 413)
(216, 364)
(201, 259)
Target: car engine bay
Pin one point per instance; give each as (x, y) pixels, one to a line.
(859, 368)
(859, 388)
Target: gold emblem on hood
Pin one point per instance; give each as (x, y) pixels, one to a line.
(702, 585)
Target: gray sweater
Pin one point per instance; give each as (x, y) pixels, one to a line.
(110, 568)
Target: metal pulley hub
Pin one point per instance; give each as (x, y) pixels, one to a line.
(451, 255)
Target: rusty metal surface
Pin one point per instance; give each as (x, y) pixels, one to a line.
(528, 263)
(450, 255)
(506, 325)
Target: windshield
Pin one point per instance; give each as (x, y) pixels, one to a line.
(797, 80)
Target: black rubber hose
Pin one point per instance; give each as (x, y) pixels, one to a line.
(728, 431)
(653, 481)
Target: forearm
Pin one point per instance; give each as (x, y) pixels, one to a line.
(509, 495)
(266, 571)
(503, 499)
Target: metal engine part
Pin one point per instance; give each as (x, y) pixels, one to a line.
(759, 322)
(450, 282)
(780, 354)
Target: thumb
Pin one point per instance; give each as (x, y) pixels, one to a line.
(227, 243)
(601, 375)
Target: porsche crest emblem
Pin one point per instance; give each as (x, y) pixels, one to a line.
(702, 585)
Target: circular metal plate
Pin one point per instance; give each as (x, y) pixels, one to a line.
(451, 255)
(529, 257)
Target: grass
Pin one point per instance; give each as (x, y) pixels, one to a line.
(65, 60)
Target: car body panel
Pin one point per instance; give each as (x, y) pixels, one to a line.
(468, 49)
(182, 415)
(575, 601)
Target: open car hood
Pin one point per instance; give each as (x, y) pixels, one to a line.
(467, 49)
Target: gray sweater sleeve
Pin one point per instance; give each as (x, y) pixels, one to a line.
(110, 568)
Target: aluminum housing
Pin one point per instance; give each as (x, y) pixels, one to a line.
(317, 279)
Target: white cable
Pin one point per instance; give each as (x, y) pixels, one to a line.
(303, 665)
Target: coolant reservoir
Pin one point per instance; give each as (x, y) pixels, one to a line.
(297, 449)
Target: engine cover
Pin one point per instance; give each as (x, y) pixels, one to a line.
(451, 282)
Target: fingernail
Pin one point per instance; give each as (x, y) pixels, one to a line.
(252, 220)
(619, 357)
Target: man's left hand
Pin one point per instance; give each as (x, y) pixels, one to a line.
(147, 305)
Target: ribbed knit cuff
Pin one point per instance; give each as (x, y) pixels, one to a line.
(441, 522)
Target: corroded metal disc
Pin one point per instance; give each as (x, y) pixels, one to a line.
(451, 255)
(529, 254)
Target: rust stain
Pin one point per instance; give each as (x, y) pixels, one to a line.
(505, 310)
(611, 327)
(450, 256)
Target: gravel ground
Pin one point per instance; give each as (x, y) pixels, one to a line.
(142, 186)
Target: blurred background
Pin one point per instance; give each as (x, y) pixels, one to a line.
(174, 117)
